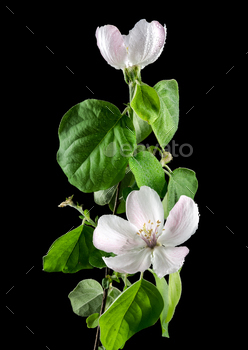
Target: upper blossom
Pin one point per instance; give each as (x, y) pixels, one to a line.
(142, 46)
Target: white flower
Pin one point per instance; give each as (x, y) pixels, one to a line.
(142, 46)
(143, 239)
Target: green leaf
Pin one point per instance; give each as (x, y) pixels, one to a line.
(165, 126)
(182, 182)
(164, 291)
(138, 307)
(148, 171)
(174, 294)
(146, 103)
(142, 128)
(93, 320)
(70, 252)
(86, 298)
(73, 252)
(104, 196)
(96, 141)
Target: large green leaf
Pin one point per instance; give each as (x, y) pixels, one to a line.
(74, 251)
(146, 103)
(96, 141)
(86, 298)
(182, 181)
(165, 126)
(148, 171)
(138, 307)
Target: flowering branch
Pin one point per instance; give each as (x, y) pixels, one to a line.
(99, 153)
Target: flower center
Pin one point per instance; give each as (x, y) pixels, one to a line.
(149, 233)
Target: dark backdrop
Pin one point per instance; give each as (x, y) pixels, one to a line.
(51, 62)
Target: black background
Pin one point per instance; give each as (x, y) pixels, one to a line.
(206, 52)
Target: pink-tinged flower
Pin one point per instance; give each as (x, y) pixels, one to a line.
(144, 239)
(142, 46)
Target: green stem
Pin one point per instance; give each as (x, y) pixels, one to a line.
(166, 172)
(141, 275)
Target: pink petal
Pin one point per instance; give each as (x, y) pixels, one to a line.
(145, 42)
(131, 262)
(168, 260)
(111, 45)
(181, 223)
(116, 235)
(144, 205)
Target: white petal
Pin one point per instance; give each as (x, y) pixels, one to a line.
(168, 260)
(131, 262)
(144, 205)
(181, 223)
(111, 44)
(116, 235)
(145, 42)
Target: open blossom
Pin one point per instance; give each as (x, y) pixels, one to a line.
(144, 239)
(142, 46)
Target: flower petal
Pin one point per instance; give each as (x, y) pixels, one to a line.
(114, 234)
(144, 205)
(168, 260)
(111, 44)
(181, 223)
(131, 262)
(145, 42)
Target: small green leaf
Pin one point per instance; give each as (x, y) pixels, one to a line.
(146, 103)
(165, 126)
(70, 252)
(93, 320)
(142, 128)
(96, 141)
(73, 252)
(86, 298)
(148, 171)
(104, 196)
(174, 294)
(164, 291)
(182, 182)
(138, 307)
